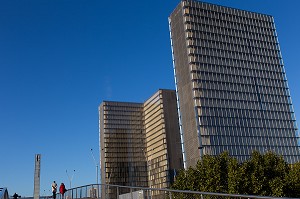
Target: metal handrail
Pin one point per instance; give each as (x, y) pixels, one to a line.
(4, 193)
(83, 192)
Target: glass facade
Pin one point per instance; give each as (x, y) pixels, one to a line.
(140, 142)
(231, 84)
(122, 141)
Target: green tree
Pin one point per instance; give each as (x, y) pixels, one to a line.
(257, 178)
(187, 180)
(208, 169)
(180, 182)
(244, 180)
(265, 175)
(192, 179)
(275, 171)
(234, 176)
(209, 175)
(293, 181)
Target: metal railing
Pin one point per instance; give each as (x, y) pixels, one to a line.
(106, 191)
(87, 191)
(4, 193)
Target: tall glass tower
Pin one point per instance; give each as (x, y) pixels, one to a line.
(231, 83)
(140, 143)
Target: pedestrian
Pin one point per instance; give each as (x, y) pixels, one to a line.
(54, 189)
(16, 196)
(62, 189)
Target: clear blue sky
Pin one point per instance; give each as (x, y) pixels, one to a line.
(59, 59)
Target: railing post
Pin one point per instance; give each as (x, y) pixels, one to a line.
(86, 192)
(170, 194)
(106, 191)
(118, 192)
(147, 193)
(131, 193)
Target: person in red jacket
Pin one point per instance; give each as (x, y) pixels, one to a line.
(62, 189)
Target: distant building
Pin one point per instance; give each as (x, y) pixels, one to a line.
(140, 142)
(231, 83)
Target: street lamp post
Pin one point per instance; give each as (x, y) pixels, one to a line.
(95, 165)
(70, 178)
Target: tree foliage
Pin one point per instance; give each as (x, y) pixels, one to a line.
(263, 174)
(293, 181)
